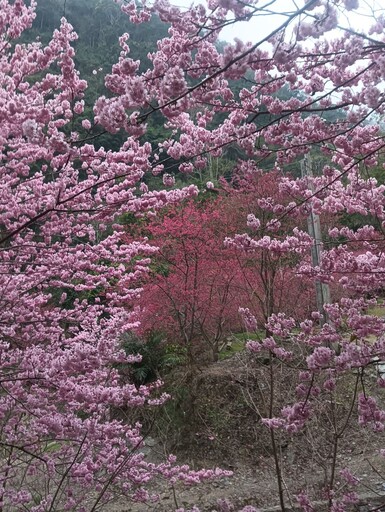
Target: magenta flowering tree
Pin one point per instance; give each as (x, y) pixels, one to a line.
(204, 275)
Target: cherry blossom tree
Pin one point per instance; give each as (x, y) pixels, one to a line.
(68, 286)
(69, 282)
(336, 73)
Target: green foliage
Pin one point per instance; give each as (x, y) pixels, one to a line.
(147, 369)
(157, 356)
(174, 355)
(232, 348)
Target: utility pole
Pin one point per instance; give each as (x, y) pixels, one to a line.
(314, 229)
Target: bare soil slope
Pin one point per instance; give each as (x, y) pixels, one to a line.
(214, 420)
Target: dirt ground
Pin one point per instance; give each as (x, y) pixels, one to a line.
(249, 487)
(214, 421)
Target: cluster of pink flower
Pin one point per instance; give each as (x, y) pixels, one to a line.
(69, 279)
